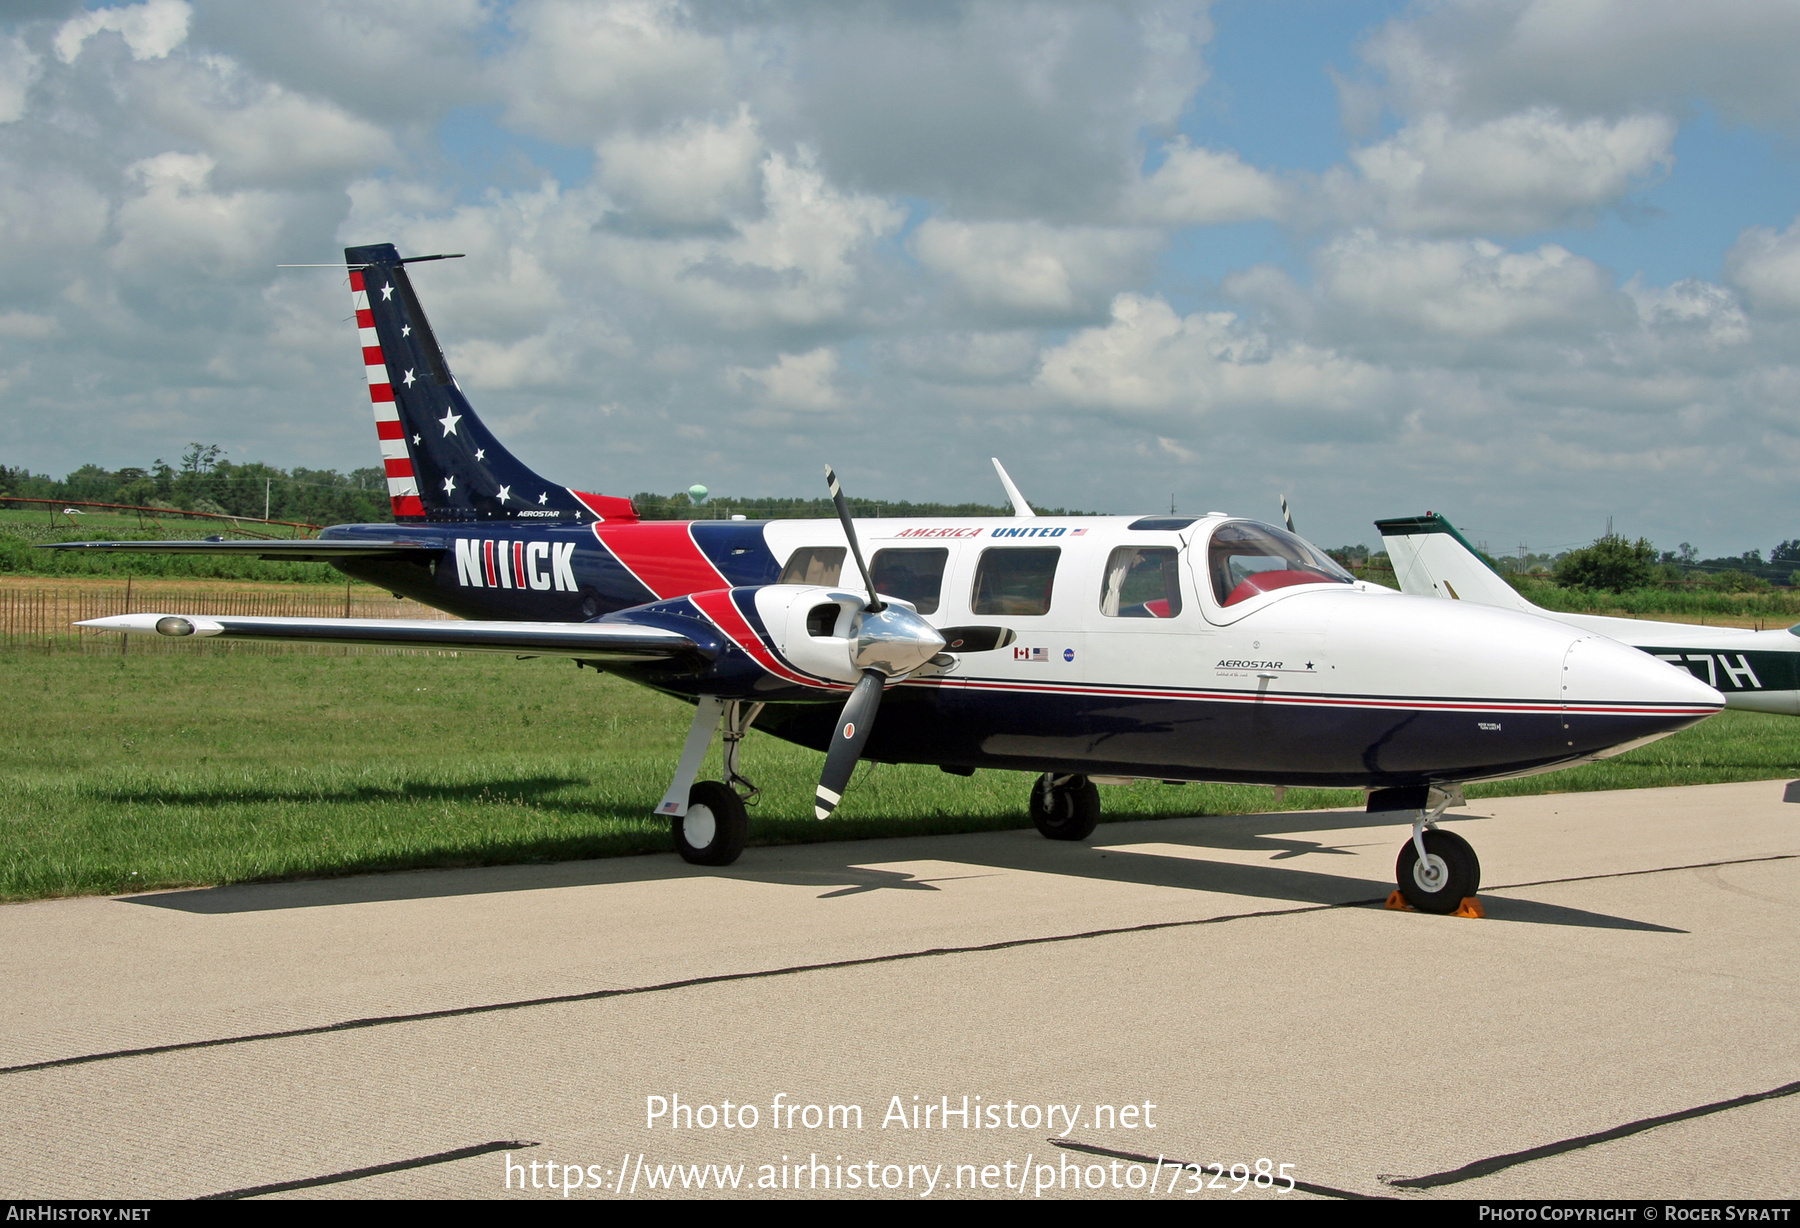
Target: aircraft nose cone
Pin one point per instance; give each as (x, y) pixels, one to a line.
(1619, 697)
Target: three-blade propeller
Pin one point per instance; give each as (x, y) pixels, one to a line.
(890, 642)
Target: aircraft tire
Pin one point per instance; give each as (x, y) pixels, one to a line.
(1066, 811)
(715, 829)
(1458, 857)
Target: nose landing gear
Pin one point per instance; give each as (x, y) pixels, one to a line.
(1439, 881)
(1437, 871)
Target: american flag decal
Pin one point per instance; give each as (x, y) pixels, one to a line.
(403, 486)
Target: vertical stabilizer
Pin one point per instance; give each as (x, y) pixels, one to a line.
(1431, 559)
(442, 462)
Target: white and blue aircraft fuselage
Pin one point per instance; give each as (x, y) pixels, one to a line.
(1080, 649)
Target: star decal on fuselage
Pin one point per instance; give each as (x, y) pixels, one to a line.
(505, 493)
(387, 292)
(418, 438)
(449, 485)
(408, 379)
(406, 330)
(544, 498)
(449, 421)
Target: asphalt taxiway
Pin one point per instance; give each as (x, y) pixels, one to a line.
(1623, 1023)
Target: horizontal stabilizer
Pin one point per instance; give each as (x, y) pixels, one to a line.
(294, 551)
(611, 641)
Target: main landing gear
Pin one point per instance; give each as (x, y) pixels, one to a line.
(1437, 871)
(1065, 807)
(707, 817)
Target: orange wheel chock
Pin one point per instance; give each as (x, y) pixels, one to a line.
(1397, 902)
(1470, 907)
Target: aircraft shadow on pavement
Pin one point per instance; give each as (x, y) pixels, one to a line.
(841, 870)
(1792, 792)
(527, 788)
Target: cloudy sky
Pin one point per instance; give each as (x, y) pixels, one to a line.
(1532, 263)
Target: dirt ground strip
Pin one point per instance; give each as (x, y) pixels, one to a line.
(1116, 1017)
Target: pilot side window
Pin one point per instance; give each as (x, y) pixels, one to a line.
(813, 565)
(1142, 582)
(911, 575)
(1011, 581)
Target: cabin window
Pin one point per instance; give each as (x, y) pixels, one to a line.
(813, 565)
(1247, 558)
(911, 575)
(1142, 582)
(1015, 581)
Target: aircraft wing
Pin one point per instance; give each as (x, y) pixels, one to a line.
(288, 551)
(609, 641)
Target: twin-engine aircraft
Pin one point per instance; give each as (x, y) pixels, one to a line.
(1758, 671)
(1084, 650)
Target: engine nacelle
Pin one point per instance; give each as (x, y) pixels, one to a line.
(819, 629)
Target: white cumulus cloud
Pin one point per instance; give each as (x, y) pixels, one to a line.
(151, 30)
(1151, 361)
(19, 71)
(1523, 172)
(178, 220)
(1462, 288)
(1765, 265)
(1033, 268)
(696, 173)
(1198, 187)
(793, 381)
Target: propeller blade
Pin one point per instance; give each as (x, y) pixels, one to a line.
(976, 639)
(876, 604)
(854, 724)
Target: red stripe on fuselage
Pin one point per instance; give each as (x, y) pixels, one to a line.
(723, 611)
(665, 559)
(356, 279)
(399, 468)
(381, 392)
(389, 429)
(408, 505)
(372, 356)
(663, 556)
(365, 318)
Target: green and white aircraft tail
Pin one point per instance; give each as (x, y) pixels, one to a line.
(1758, 671)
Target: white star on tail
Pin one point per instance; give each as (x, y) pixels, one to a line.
(480, 453)
(449, 421)
(406, 330)
(449, 485)
(418, 438)
(387, 292)
(408, 380)
(544, 498)
(505, 493)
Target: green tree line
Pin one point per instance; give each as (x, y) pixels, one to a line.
(204, 482)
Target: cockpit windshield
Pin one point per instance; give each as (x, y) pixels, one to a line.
(1246, 557)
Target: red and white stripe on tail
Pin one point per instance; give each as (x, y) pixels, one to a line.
(403, 486)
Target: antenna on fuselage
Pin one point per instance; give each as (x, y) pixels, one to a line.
(1287, 516)
(1019, 506)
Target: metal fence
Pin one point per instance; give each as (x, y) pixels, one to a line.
(40, 619)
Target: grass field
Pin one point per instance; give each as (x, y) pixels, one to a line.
(140, 772)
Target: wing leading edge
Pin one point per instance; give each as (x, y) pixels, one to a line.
(611, 641)
(291, 551)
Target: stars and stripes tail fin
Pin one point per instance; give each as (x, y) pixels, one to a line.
(442, 462)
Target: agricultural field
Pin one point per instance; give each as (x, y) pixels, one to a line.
(219, 765)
